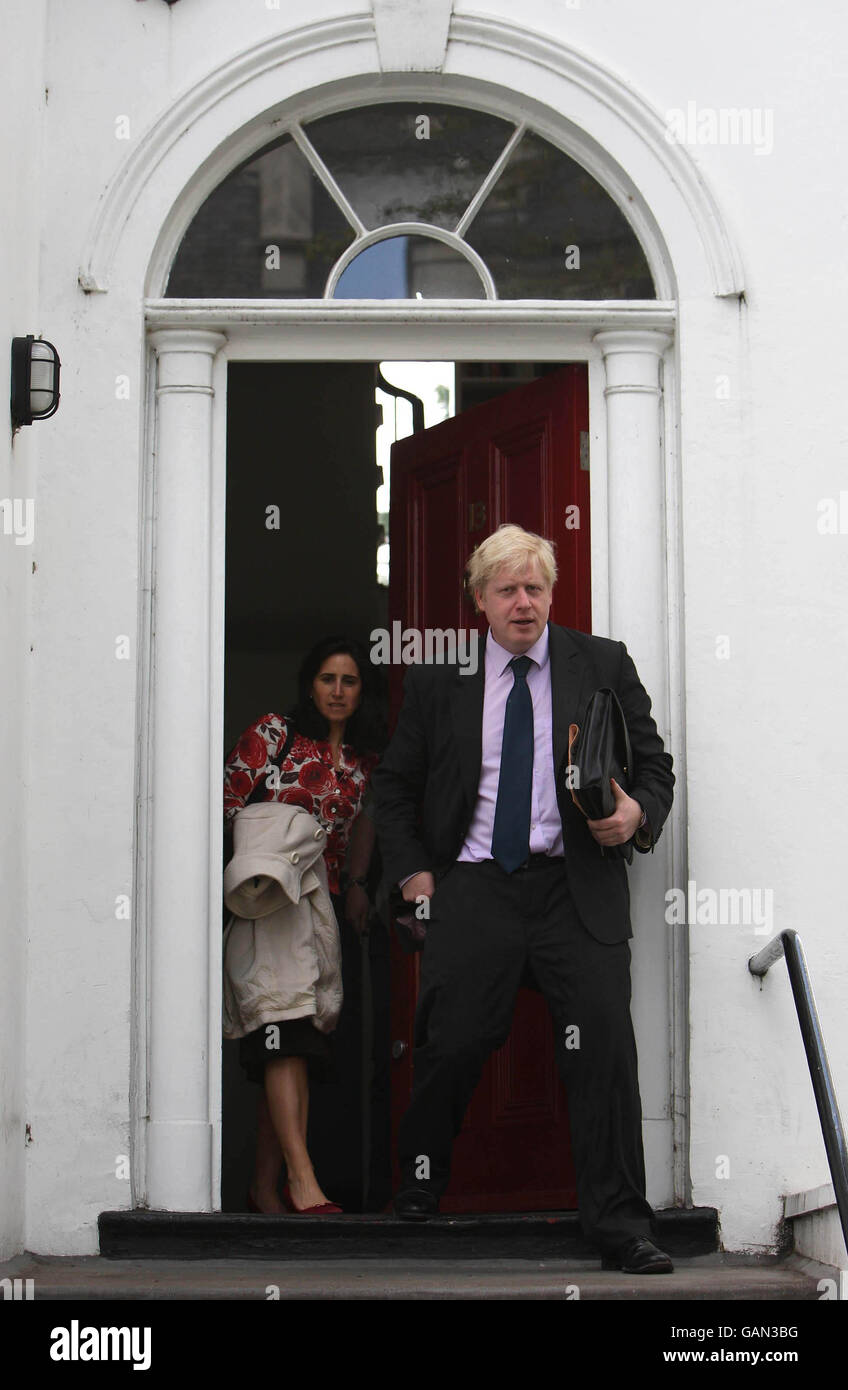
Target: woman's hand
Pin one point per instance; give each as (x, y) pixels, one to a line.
(357, 908)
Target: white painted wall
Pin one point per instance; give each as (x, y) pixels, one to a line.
(21, 107)
(765, 809)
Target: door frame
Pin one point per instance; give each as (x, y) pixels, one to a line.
(615, 131)
(631, 355)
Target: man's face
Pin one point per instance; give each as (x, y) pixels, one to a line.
(516, 604)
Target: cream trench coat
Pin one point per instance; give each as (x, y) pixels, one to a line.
(282, 955)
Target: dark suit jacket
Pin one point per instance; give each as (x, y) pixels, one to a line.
(425, 787)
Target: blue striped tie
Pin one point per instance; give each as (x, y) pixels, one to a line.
(511, 834)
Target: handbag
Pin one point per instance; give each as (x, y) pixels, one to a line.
(599, 749)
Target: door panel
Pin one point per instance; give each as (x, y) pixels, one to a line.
(513, 459)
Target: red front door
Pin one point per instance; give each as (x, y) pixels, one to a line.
(516, 459)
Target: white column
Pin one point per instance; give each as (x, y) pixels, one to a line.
(179, 1133)
(636, 501)
(639, 616)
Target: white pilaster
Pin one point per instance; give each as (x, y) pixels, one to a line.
(636, 502)
(639, 616)
(179, 1133)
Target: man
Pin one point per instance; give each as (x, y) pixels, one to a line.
(474, 814)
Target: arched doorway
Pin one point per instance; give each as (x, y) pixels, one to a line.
(492, 211)
(633, 566)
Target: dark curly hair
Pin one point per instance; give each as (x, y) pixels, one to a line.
(365, 731)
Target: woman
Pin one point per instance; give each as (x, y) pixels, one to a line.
(332, 735)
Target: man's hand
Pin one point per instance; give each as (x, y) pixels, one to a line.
(423, 885)
(618, 828)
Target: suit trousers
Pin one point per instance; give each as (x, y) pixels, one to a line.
(485, 927)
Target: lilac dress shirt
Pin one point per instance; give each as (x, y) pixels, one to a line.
(545, 820)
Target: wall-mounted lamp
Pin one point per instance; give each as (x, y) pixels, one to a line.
(35, 380)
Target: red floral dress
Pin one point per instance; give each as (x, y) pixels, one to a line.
(308, 778)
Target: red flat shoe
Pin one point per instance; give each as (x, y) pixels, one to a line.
(322, 1209)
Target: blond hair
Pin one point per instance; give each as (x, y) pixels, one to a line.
(510, 548)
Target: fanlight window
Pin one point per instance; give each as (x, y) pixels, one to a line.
(410, 201)
(409, 267)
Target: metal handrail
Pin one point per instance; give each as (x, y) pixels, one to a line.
(788, 944)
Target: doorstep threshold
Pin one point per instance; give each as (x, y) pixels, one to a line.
(144, 1234)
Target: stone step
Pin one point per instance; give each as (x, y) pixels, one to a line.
(518, 1236)
(711, 1277)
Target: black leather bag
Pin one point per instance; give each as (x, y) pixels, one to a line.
(599, 749)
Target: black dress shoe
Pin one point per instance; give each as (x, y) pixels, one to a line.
(415, 1204)
(638, 1256)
